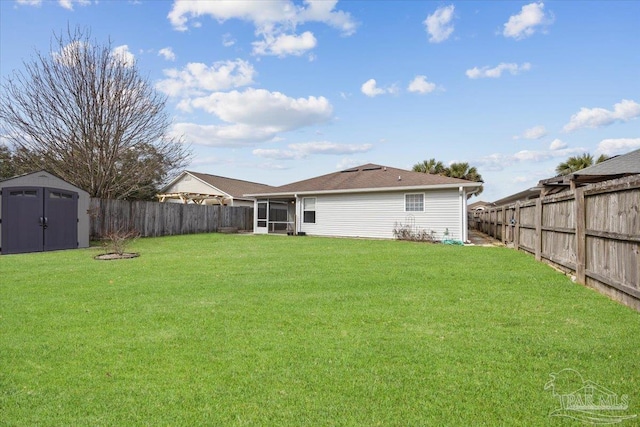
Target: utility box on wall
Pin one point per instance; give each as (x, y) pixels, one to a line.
(41, 212)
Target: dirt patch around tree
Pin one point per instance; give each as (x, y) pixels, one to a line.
(126, 255)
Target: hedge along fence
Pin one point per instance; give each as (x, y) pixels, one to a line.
(592, 232)
(152, 219)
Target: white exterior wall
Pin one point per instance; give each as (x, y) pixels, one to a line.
(45, 179)
(189, 184)
(375, 214)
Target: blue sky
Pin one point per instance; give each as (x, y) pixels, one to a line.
(279, 91)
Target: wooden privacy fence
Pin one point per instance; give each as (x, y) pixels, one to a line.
(152, 219)
(592, 232)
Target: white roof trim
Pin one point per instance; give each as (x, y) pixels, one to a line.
(368, 190)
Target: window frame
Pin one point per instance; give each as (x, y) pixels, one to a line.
(306, 210)
(414, 203)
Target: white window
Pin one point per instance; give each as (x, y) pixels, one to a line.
(309, 210)
(414, 202)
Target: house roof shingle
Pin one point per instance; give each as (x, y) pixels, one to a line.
(615, 167)
(367, 178)
(236, 188)
(624, 164)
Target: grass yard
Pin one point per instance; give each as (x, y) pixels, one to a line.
(237, 330)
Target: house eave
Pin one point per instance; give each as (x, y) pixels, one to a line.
(368, 190)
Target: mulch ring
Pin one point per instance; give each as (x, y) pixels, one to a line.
(125, 255)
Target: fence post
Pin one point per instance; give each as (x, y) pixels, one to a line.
(504, 224)
(580, 235)
(538, 217)
(516, 230)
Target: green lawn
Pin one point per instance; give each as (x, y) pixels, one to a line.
(235, 330)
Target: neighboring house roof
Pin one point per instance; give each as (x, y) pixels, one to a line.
(615, 167)
(626, 164)
(528, 194)
(480, 204)
(369, 177)
(223, 186)
(236, 188)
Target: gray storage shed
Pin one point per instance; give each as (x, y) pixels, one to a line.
(41, 212)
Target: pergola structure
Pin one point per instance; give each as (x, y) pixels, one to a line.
(196, 198)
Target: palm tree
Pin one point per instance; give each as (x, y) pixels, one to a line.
(463, 171)
(430, 166)
(576, 163)
(455, 170)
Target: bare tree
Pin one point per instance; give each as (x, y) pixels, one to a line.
(83, 112)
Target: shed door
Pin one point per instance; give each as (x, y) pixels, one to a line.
(22, 222)
(61, 213)
(38, 219)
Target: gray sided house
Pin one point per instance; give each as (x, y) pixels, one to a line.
(41, 212)
(366, 201)
(205, 189)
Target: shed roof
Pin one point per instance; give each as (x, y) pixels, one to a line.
(41, 178)
(369, 177)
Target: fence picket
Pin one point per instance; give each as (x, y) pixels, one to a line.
(152, 219)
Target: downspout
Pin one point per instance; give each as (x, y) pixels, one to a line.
(255, 216)
(296, 225)
(463, 207)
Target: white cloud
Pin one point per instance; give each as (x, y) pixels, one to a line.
(227, 40)
(612, 147)
(499, 161)
(557, 144)
(259, 107)
(222, 136)
(285, 44)
(525, 23)
(347, 163)
(623, 111)
(167, 53)
(495, 72)
(323, 11)
(420, 85)
(439, 24)
(72, 54)
(535, 132)
(275, 153)
(196, 77)
(122, 53)
(67, 4)
(275, 21)
(255, 115)
(371, 89)
(325, 147)
(303, 150)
